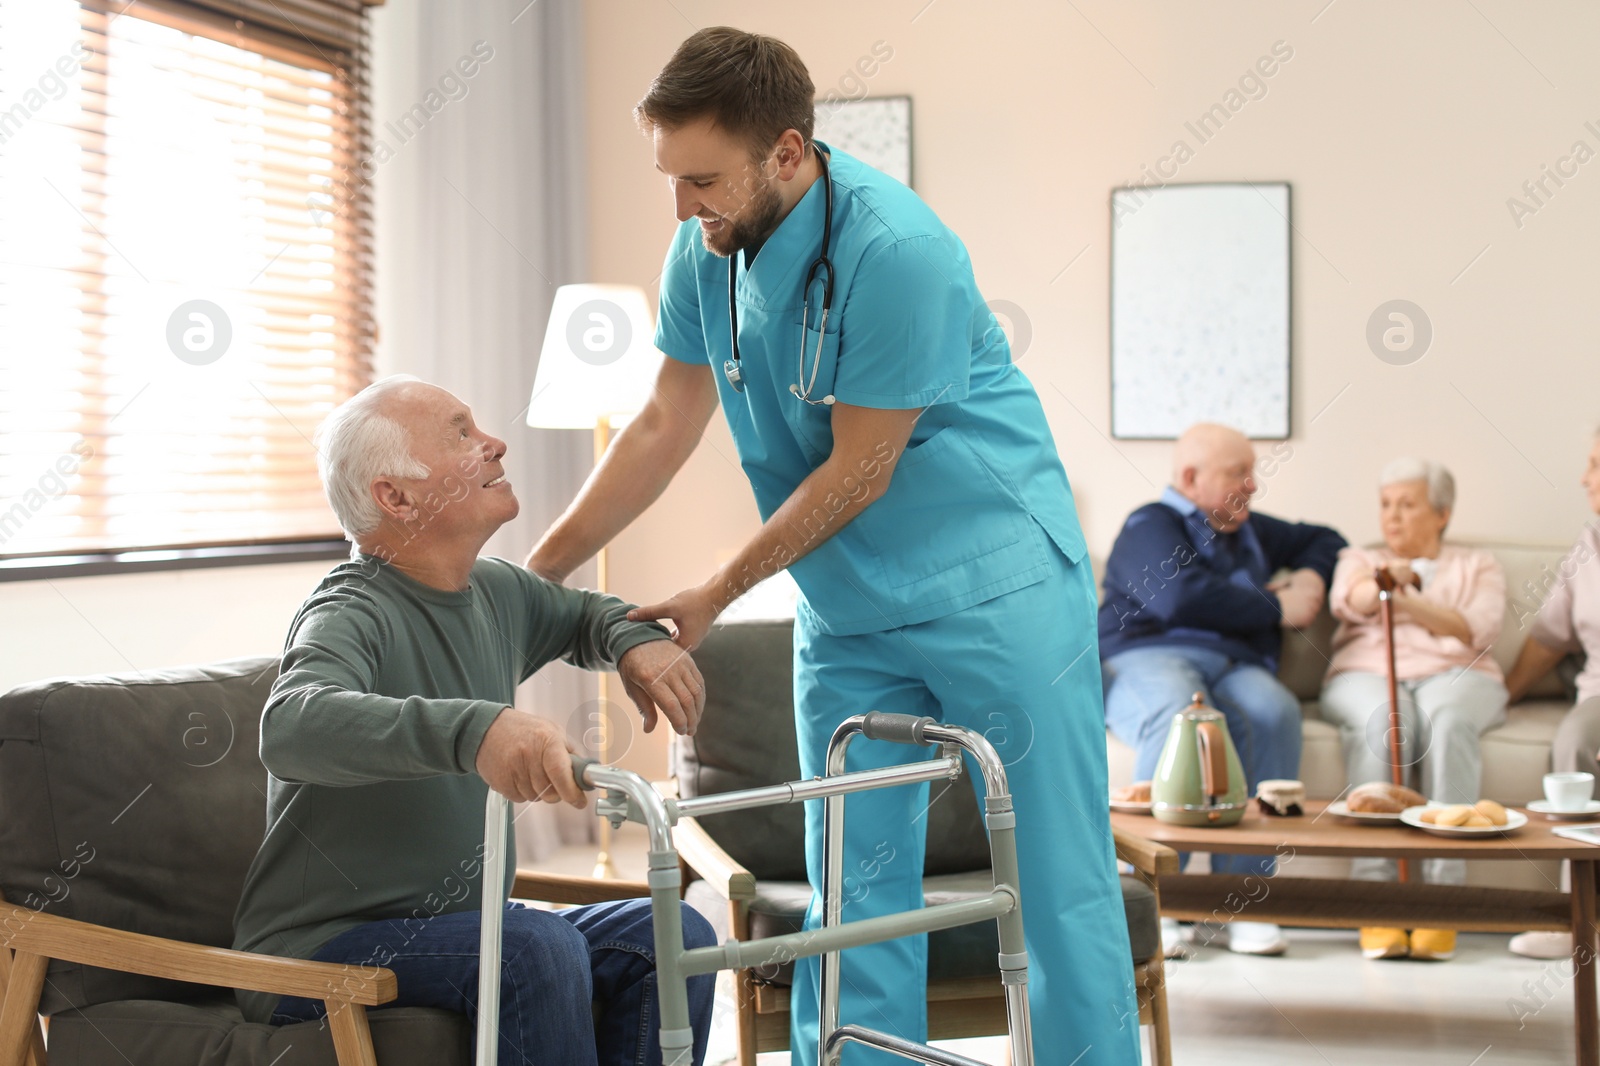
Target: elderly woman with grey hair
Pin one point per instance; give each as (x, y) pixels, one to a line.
(1450, 688)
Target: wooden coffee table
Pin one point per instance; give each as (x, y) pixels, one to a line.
(1352, 904)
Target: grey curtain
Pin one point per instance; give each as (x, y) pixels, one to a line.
(478, 175)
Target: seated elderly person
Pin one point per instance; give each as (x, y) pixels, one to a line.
(1191, 606)
(1449, 685)
(392, 719)
(1568, 621)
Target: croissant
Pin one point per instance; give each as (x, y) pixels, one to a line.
(1379, 797)
(1138, 792)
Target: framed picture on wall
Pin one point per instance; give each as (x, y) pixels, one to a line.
(876, 130)
(1200, 309)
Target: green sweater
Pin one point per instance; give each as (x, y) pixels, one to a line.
(370, 739)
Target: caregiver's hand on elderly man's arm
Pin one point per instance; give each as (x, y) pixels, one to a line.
(659, 674)
(1299, 597)
(867, 445)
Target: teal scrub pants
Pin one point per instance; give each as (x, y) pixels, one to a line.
(1024, 670)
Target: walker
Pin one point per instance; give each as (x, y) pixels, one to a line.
(628, 797)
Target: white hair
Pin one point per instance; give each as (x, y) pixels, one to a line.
(1441, 485)
(357, 444)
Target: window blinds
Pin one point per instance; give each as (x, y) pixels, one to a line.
(185, 261)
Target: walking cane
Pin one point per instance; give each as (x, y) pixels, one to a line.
(1397, 774)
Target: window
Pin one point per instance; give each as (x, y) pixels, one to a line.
(184, 269)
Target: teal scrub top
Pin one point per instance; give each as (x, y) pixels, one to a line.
(980, 493)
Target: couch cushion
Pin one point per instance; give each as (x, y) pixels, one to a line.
(1304, 659)
(136, 802)
(965, 951)
(212, 1032)
(746, 739)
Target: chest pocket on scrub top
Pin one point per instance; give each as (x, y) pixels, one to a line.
(812, 423)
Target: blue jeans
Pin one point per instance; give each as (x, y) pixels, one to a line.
(1145, 687)
(556, 968)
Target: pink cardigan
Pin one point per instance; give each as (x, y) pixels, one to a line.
(1467, 579)
(1569, 619)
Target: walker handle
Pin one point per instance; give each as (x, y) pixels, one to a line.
(580, 766)
(897, 728)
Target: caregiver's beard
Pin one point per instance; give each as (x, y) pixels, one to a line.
(753, 225)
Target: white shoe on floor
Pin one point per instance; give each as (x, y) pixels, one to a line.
(1255, 938)
(1176, 942)
(1542, 945)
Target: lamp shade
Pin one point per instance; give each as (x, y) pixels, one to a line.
(599, 358)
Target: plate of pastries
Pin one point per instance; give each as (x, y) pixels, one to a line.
(1377, 803)
(1132, 799)
(1484, 818)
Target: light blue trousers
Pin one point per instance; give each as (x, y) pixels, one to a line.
(1023, 669)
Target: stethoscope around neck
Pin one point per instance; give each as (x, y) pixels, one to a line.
(821, 267)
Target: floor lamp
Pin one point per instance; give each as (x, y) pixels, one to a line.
(596, 369)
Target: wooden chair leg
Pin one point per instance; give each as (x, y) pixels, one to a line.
(20, 1040)
(743, 988)
(352, 1038)
(1160, 1036)
(36, 1053)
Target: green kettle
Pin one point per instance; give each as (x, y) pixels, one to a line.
(1199, 779)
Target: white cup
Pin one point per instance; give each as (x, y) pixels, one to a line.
(1568, 792)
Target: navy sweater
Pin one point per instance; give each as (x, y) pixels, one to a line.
(1172, 579)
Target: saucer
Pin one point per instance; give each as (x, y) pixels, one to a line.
(1131, 807)
(1588, 810)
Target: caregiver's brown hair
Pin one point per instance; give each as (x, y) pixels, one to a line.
(754, 87)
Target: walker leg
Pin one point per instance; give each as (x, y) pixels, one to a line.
(489, 926)
(672, 986)
(1001, 821)
(830, 965)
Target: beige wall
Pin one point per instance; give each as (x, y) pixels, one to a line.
(129, 622)
(1403, 129)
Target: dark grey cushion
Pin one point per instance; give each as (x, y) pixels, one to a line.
(135, 802)
(746, 738)
(965, 951)
(212, 1032)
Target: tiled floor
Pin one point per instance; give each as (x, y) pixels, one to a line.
(1321, 1003)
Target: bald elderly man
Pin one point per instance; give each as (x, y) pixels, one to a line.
(1191, 605)
(391, 720)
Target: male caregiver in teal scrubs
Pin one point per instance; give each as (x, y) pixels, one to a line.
(907, 478)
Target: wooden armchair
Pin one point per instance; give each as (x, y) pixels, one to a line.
(124, 945)
(749, 865)
(30, 939)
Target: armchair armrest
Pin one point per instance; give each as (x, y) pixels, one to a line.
(705, 857)
(51, 936)
(1146, 856)
(562, 888)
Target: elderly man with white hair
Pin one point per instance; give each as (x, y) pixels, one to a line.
(1450, 688)
(1192, 605)
(391, 720)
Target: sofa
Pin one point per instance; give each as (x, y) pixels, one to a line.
(1516, 755)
